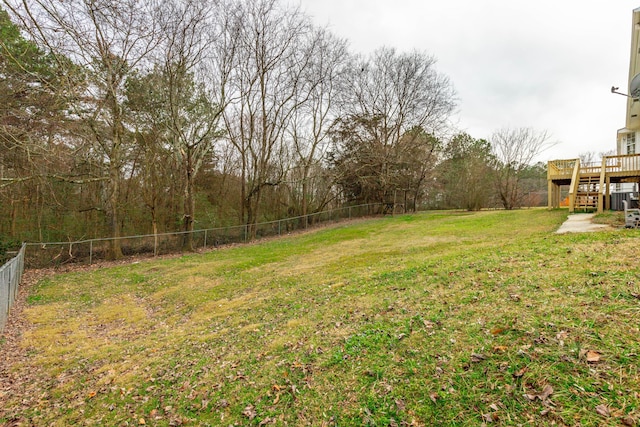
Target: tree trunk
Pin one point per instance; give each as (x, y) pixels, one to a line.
(304, 201)
(250, 219)
(154, 228)
(114, 223)
(243, 190)
(14, 216)
(189, 208)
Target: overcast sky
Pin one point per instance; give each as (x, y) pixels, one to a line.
(545, 64)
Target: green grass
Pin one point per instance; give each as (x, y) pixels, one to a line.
(441, 318)
(612, 218)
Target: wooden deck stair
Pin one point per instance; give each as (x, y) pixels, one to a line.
(590, 184)
(587, 186)
(587, 192)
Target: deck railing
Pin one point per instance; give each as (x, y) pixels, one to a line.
(558, 169)
(626, 163)
(591, 168)
(623, 163)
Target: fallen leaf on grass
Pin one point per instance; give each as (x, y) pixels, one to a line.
(250, 412)
(477, 357)
(593, 356)
(520, 372)
(500, 349)
(490, 418)
(543, 395)
(603, 410)
(546, 392)
(629, 421)
(428, 324)
(561, 336)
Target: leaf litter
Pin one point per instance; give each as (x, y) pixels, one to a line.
(505, 357)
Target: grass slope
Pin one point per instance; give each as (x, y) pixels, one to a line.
(432, 319)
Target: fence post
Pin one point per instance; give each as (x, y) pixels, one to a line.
(90, 252)
(205, 239)
(7, 281)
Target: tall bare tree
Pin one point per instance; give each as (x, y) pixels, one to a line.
(265, 65)
(514, 151)
(311, 121)
(194, 106)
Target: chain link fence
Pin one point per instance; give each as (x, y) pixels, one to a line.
(10, 278)
(88, 251)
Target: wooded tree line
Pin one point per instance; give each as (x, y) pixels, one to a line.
(128, 117)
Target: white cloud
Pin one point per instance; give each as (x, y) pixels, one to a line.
(547, 64)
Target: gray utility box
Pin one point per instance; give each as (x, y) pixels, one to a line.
(631, 216)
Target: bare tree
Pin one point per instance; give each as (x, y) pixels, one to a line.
(310, 122)
(390, 96)
(588, 157)
(194, 107)
(514, 151)
(264, 65)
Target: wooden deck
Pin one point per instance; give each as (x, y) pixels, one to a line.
(590, 184)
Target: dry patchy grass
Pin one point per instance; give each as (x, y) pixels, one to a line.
(431, 319)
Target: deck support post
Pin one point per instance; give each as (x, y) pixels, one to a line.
(573, 189)
(601, 190)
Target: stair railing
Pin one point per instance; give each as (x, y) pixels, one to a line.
(573, 189)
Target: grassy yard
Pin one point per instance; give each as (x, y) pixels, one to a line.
(433, 319)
